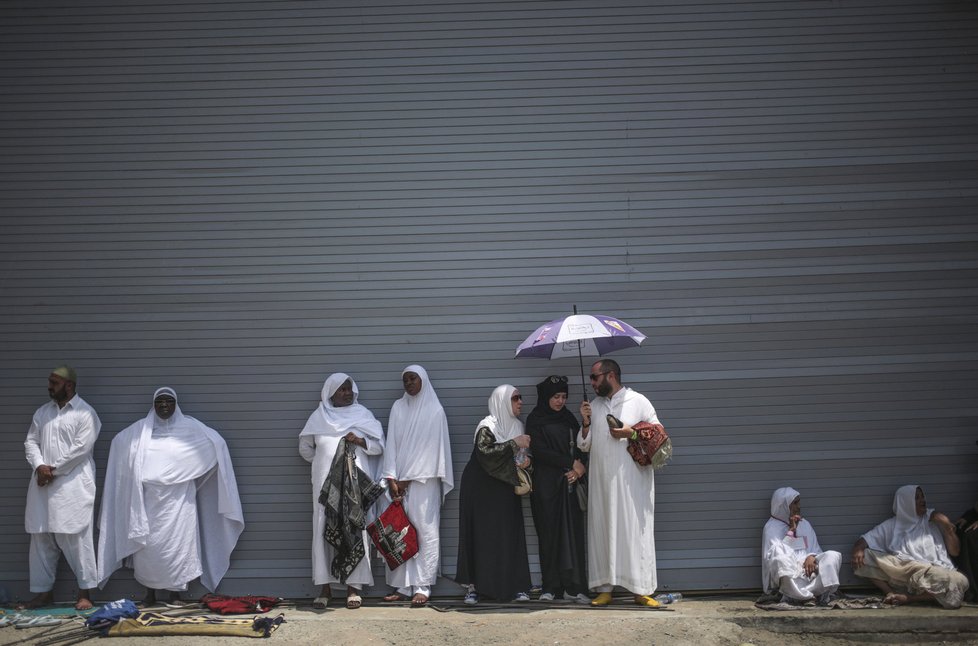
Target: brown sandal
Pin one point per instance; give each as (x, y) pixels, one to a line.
(394, 597)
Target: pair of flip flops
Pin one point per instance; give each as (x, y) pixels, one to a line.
(417, 601)
(353, 601)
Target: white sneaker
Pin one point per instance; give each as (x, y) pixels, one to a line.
(581, 598)
(522, 597)
(547, 596)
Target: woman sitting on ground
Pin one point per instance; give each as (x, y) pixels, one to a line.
(907, 556)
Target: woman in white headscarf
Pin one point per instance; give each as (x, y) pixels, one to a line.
(908, 556)
(338, 418)
(170, 505)
(792, 561)
(418, 471)
(492, 558)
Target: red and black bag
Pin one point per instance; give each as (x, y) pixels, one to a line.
(649, 444)
(393, 535)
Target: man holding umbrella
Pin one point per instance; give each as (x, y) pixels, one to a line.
(621, 506)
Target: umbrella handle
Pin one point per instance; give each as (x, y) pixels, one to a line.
(580, 359)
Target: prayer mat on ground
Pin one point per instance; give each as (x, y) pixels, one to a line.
(842, 602)
(154, 624)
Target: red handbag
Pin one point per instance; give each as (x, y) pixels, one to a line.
(393, 535)
(649, 445)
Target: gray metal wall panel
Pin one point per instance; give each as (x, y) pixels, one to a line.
(237, 198)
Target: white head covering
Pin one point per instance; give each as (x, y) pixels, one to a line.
(909, 536)
(188, 453)
(781, 502)
(501, 421)
(337, 421)
(417, 437)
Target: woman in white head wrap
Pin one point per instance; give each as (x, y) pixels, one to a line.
(338, 417)
(907, 556)
(418, 471)
(170, 505)
(492, 558)
(792, 561)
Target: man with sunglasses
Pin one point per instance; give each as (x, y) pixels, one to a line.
(621, 501)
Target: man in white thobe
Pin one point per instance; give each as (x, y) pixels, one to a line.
(418, 472)
(61, 494)
(621, 500)
(170, 505)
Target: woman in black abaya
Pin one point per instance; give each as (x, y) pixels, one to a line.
(492, 559)
(557, 514)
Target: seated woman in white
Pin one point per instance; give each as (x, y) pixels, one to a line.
(792, 561)
(908, 556)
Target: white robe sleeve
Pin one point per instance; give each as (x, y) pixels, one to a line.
(307, 447)
(32, 445)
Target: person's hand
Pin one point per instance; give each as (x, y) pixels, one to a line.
(858, 556)
(972, 527)
(356, 439)
(810, 565)
(522, 441)
(959, 523)
(45, 474)
(393, 488)
(793, 522)
(585, 413)
(623, 433)
(571, 475)
(579, 468)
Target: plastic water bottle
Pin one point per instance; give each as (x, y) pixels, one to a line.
(668, 597)
(520, 456)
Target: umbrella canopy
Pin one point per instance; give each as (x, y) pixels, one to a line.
(580, 335)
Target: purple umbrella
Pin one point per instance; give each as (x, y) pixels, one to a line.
(580, 334)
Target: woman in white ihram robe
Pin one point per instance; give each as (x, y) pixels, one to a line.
(792, 561)
(326, 428)
(418, 469)
(170, 505)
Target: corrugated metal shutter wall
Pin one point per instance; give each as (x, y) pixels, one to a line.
(237, 198)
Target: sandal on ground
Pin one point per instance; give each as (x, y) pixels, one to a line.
(603, 599)
(320, 603)
(419, 601)
(395, 596)
(645, 600)
(353, 601)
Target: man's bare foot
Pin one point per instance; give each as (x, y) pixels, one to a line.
(896, 599)
(41, 600)
(84, 601)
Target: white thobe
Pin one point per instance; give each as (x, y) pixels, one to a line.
(621, 500)
(783, 557)
(59, 515)
(320, 451)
